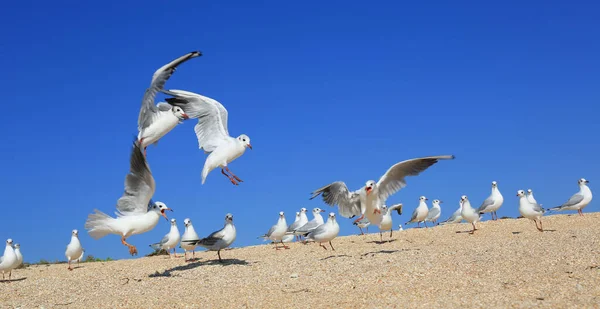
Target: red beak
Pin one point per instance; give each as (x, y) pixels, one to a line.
(369, 189)
(249, 146)
(185, 116)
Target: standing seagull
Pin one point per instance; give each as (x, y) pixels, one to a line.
(363, 223)
(456, 217)
(170, 240)
(530, 197)
(211, 131)
(277, 231)
(386, 220)
(300, 221)
(19, 255)
(74, 249)
(420, 213)
(136, 214)
(532, 211)
(492, 203)
(325, 232)
(155, 121)
(8, 261)
(312, 224)
(579, 200)
(434, 212)
(188, 234)
(220, 239)
(368, 199)
(469, 213)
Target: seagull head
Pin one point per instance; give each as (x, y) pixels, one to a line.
(583, 181)
(303, 210)
(173, 221)
(297, 214)
(187, 222)
(9, 242)
(161, 207)
(245, 140)
(331, 216)
(317, 210)
(370, 186)
(17, 246)
(494, 184)
(75, 233)
(437, 202)
(228, 218)
(463, 199)
(529, 191)
(520, 193)
(281, 215)
(179, 113)
(423, 199)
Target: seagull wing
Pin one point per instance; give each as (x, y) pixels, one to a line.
(337, 193)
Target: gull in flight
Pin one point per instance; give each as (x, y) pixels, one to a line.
(530, 197)
(492, 203)
(9, 260)
(579, 200)
(155, 121)
(189, 235)
(211, 131)
(420, 213)
(386, 220)
(367, 200)
(277, 231)
(469, 213)
(136, 213)
(312, 224)
(19, 255)
(434, 212)
(363, 224)
(300, 221)
(456, 217)
(74, 249)
(170, 240)
(532, 211)
(325, 232)
(220, 239)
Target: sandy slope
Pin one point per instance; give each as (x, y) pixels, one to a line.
(507, 263)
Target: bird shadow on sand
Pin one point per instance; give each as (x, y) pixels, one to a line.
(335, 256)
(519, 232)
(225, 262)
(379, 242)
(11, 280)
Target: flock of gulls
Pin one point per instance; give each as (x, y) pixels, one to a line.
(137, 212)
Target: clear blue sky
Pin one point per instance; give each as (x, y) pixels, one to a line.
(326, 91)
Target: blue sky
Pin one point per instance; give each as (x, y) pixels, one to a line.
(326, 91)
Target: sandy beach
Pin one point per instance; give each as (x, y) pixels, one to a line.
(507, 263)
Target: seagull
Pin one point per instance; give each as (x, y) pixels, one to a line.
(312, 224)
(288, 238)
(188, 234)
(434, 212)
(220, 239)
(325, 232)
(300, 221)
(155, 121)
(211, 130)
(136, 213)
(492, 203)
(368, 199)
(579, 200)
(277, 231)
(386, 220)
(170, 240)
(8, 261)
(74, 249)
(456, 217)
(363, 223)
(400, 227)
(469, 213)
(420, 213)
(532, 211)
(19, 255)
(530, 197)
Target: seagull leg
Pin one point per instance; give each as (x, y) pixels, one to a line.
(331, 246)
(232, 174)
(284, 246)
(425, 222)
(174, 252)
(69, 265)
(391, 233)
(380, 236)
(361, 217)
(474, 228)
(219, 254)
(367, 228)
(580, 212)
(230, 178)
(132, 249)
(9, 274)
(320, 244)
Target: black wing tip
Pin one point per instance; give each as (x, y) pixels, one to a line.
(196, 53)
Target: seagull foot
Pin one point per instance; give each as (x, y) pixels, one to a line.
(133, 250)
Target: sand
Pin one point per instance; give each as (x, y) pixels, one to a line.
(507, 263)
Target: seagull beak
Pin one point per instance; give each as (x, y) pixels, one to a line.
(250, 146)
(517, 194)
(426, 199)
(587, 181)
(185, 116)
(322, 210)
(441, 202)
(162, 213)
(369, 189)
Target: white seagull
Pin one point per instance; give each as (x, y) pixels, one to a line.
(19, 255)
(492, 203)
(434, 212)
(74, 249)
(579, 200)
(188, 234)
(312, 224)
(325, 232)
(155, 121)
(532, 211)
(136, 213)
(211, 131)
(277, 231)
(469, 213)
(300, 221)
(456, 217)
(363, 223)
(9, 260)
(367, 200)
(220, 239)
(386, 220)
(170, 240)
(420, 213)
(530, 197)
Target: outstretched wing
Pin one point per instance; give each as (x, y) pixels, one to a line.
(148, 110)
(211, 129)
(139, 185)
(397, 208)
(337, 193)
(393, 180)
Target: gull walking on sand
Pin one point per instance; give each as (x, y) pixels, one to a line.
(300, 221)
(386, 220)
(325, 232)
(211, 131)
(530, 197)
(154, 121)
(579, 200)
(74, 249)
(312, 224)
(220, 239)
(188, 235)
(363, 224)
(19, 255)
(277, 231)
(170, 240)
(136, 213)
(469, 213)
(434, 212)
(456, 217)
(532, 211)
(492, 203)
(420, 213)
(367, 200)
(9, 260)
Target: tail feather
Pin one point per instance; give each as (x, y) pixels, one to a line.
(156, 246)
(97, 224)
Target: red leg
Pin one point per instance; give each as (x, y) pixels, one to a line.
(132, 249)
(232, 174)
(284, 246)
(361, 231)
(230, 178)
(361, 217)
(69, 267)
